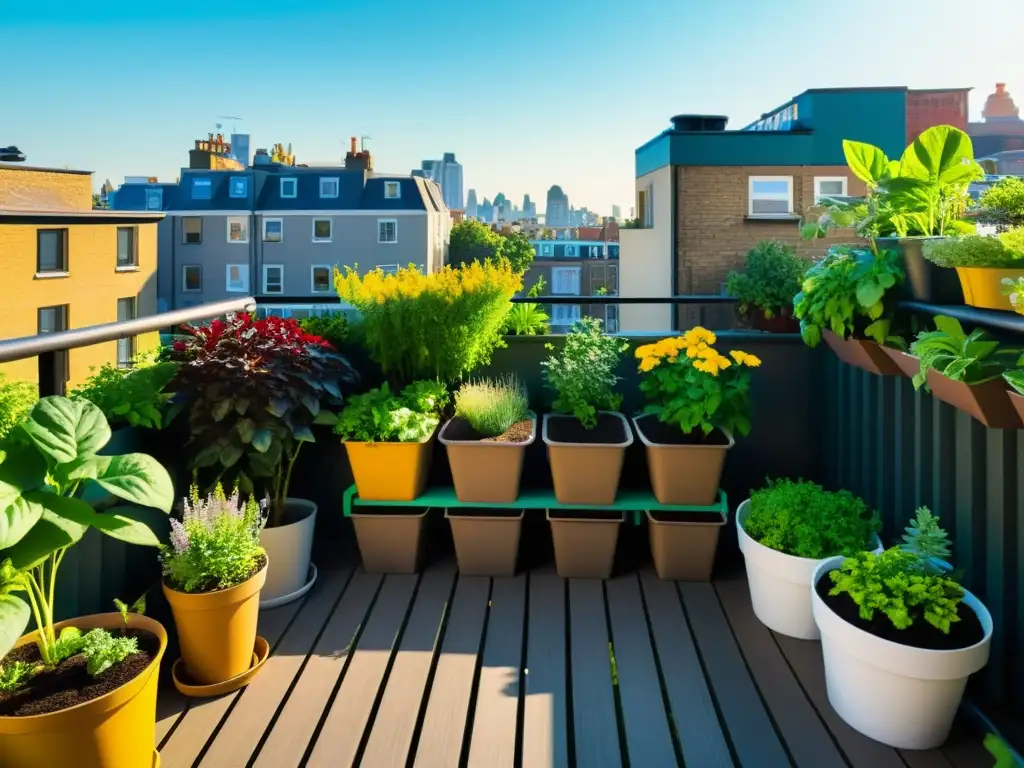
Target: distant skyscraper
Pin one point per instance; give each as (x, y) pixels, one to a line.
(556, 214)
(471, 206)
(529, 208)
(447, 172)
(617, 212)
(485, 212)
(240, 148)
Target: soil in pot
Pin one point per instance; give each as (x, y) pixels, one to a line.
(963, 634)
(610, 430)
(460, 429)
(68, 684)
(669, 434)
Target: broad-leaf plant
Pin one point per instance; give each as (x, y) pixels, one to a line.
(972, 358)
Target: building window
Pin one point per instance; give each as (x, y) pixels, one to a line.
(238, 187)
(127, 247)
(570, 250)
(829, 186)
(290, 187)
(192, 278)
(771, 196)
(154, 199)
(565, 315)
(238, 229)
(565, 280)
(192, 230)
(55, 320)
(645, 206)
(126, 310)
(545, 249)
(202, 189)
(273, 278)
(321, 230)
(387, 230)
(273, 230)
(392, 190)
(611, 318)
(238, 278)
(329, 186)
(52, 252)
(321, 278)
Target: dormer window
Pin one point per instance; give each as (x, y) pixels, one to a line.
(329, 186)
(289, 188)
(202, 189)
(392, 190)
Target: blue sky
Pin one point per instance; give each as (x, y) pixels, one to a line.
(526, 93)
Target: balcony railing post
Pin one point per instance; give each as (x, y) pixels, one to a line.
(53, 375)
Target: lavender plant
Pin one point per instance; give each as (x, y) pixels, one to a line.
(216, 545)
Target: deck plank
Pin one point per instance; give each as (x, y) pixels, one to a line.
(753, 737)
(288, 739)
(493, 741)
(545, 728)
(444, 725)
(339, 739)
(648, 739)
(170, 708)
(245, 725)
(805, 734)
(204, 715)
(395, 723)
(595, 727)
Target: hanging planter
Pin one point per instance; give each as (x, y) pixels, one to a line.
(863, 354)
(1018, 403)
(988, 402)
(906, 362)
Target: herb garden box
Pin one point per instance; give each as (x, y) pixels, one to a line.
(586, 463)
(863, 354)
(486, 470)
(907, 363)
(988, 402)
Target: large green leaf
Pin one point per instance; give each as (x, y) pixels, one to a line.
(65, 429)
(261, 440)
(14, 616)
(16, 520)
(939, 155)
(127, 523)
(21, 470)
(1016, 380)
(138, 478)
(869, 293)
(951, 327)
(867, 161)
(51, 533)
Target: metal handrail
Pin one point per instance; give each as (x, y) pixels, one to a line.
(609, 298)
(989, 318)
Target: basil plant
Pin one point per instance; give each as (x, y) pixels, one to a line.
(49, 466)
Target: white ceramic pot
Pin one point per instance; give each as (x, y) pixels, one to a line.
(780, 584)
(901, 696)
(289, 548)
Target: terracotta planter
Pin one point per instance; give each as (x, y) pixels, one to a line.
(989, 403)
(117, 729)
(390, 471)
(486, 545)
(684, 549)
(782, 322)
(390, 542)
(863, 354)
(485, 472)
(1018, 403)
(925, 281)
(907, 363)
(217, 630)
(682, 474)
(584, 546)
(983, 286)
(586, 473)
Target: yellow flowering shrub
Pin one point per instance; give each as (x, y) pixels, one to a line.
(441, 325)
(690, 384)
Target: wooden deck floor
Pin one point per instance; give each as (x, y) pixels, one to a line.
(436, 670)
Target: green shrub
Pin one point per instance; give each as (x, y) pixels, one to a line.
(492, 406)
(382, 416)
(131, 395)
(334, 327)
(804, 520)
(1003, 202)
(770, 278)
(1002, 251)
(16, 400)
(583, 373)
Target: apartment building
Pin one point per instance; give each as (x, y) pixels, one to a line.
(280, 230)
(66, 266)
(576, 268)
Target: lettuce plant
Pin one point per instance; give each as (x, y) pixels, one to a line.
(380, 416)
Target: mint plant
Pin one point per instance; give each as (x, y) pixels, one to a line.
(583, 373)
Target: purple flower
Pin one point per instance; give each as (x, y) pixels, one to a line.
(179, 537)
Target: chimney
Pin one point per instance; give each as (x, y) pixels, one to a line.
(353, 150)
(358, 160)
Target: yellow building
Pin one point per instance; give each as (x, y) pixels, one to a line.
(64, 265)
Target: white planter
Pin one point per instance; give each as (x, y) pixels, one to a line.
(780, 584)
(289, 548)
(901, 696)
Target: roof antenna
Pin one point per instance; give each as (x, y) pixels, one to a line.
(362, 142)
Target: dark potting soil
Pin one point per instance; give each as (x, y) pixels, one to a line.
(589, 514)
(610, 430)
(460, 429)
(921, 634)
(68, 684)
(666, 434)
(496, 512)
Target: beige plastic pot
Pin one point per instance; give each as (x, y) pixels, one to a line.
(485, 471)
(486, 545)
(683, 475)
(684, 550)
(586, 473)
(390, 542)
(584, 547)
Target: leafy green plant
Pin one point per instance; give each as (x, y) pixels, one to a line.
(804, 520)
(333, 328)
(46, 464)
(971, 358)
(382, 416)
(103, 650)
(770, 278)
(1003, 203)
(492, 406)
(927, 539)
(528, 318)
(849, 292)
(134, 396)
(138, 608)
(1002, 752)
(69, 643)
(583, 372)
(216, 545)
(976, 251)
(13, 675)
(16, 400)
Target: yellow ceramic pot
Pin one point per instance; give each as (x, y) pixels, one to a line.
(217, 630)
(390, 471)
(117, 730)
(983, 286)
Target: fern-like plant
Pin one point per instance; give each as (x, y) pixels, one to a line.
(927, 539)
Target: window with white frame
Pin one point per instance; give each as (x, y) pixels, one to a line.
(387, 230)
(829, 186)
(238, 187)
(545, 249)
(289, 187)
(771, 196)
(322, 230)
(273, 278)
(202, 189)
(238, 229)
(192, 230)
(564, 315)
(154, 199)
(237, 278)
(570, 250)
(321, 278)
(273, 230)
(565, 280)
(611, 318)
(192, 278)
(392, 190)
(329, 186)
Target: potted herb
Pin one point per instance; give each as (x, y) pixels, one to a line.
(697, 399)
(848, 299)
(253, 390)
(389, 441)
(765, 288)
(784, 531)
(982, 263)
(214, 569)
(900, 637)
(486, 442)
(78, 692)
(966, 371)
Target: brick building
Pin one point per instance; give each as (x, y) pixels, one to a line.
(576, 268)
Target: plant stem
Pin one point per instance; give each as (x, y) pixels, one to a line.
(39, 620)
(283, 488)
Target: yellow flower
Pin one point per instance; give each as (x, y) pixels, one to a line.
(738, 356)
(648, 364)
(699, 334)
(752, 361)
(707, 366)
(644, 351)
